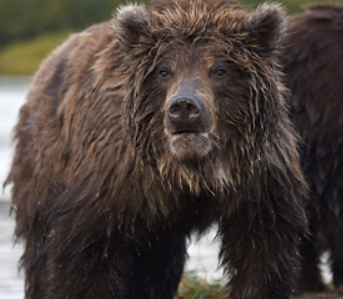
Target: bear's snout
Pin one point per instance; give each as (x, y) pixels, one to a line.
(184, 110)
(188, 120)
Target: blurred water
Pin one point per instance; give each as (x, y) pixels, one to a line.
(11, 283)
(12, 96)
(203, 254)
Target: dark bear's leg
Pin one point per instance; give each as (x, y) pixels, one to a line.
(336, 256)
(157, 273)
(87, 261)
(89, 270)
(332, 224)
(97, 265)
(309, 279)
(260, 257)
(33, 261)
(337, 269)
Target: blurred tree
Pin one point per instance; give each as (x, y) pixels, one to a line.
(292, 6)
(23, 19)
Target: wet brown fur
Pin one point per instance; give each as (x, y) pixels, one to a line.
(314, 64)
(102, 203)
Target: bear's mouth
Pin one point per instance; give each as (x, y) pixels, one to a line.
(192, 135)
(189, 144)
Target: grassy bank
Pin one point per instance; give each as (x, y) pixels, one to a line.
(193, 287)
(24, 58)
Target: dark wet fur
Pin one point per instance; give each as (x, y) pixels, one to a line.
(314, 64)
(103, 205)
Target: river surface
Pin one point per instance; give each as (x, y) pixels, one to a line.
(203, 253)
(12, 95)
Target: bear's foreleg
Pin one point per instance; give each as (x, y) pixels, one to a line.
(157, 272)
(309, 277)
(336, 255)
(34, 263)
(259, 254)
(91, 264)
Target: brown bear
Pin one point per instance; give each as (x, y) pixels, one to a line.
(314, 64)
(150, 127)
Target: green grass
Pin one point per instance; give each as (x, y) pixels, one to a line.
(24, 57)
(194, 287)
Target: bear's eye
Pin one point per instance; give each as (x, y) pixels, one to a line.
(219, 73)
(164, 73)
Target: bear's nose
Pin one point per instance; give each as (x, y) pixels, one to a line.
(184, 109)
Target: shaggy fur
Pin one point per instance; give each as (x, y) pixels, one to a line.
(142, 130)
(314, 61)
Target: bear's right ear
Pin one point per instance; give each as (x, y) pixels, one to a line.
(131, 23)
(267, 25)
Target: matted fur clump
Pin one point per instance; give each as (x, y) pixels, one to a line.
(314, 64)
(138, 132)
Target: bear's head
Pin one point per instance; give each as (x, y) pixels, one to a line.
(204, 77)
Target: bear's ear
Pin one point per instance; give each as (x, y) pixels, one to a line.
(132, 21)
(268, 26)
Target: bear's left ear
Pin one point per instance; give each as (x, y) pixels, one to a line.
(132, 21)
(268, 26)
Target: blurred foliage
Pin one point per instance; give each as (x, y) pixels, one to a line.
(30, 29)
(24, 57)
(23, 19)
(292, 6)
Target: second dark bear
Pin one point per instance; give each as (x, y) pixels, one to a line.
(314, 64)
(142, 130)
